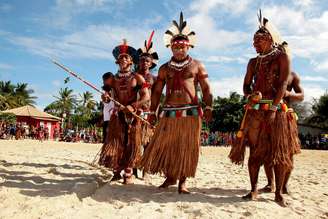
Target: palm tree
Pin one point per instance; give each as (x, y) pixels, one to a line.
(23, 94)
(54, 109)
(65, 102)
(12, 96)
(87, 102)
(84, 110)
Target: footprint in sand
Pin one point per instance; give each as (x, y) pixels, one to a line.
(247, 214)
(84, 189)
(314, 182)
(2, 180)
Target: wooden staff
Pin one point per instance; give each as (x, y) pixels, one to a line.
(98, 90)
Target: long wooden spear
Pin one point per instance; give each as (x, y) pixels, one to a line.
(98, 90)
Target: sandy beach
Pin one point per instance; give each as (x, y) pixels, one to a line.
(54, 180)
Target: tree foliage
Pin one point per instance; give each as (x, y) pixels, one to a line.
(320, 111)
(227, 113)
(15, 95)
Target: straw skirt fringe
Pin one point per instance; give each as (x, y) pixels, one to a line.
(174, 147)
(273, 144)
(122, 147)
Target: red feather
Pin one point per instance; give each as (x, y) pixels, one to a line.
(150, 39)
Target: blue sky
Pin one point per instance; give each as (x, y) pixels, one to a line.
(82, 33)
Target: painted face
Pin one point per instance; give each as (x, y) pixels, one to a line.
(125, 62)
(145, 62)
(180, 51)
(262, 43)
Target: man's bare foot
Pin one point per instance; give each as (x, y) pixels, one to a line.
(144, 176)
(182, 188)
(128, 180)
(285, 190)
(168, 182)
(250, 196)
(116, 177)
(280, 200)
(267, 189)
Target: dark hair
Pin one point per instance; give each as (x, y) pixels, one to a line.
(107, 75)
(179, 37)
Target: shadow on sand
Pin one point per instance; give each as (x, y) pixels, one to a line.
(93, 185)
(41, 183)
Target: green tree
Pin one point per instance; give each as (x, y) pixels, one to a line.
(84, 110)
(227, 113)
(24, 95)
(7, 118)
(320, 111)
(64, 104)
(12, 96)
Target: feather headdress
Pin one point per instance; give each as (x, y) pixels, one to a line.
(148, 50)
(180, 31)
(267, 26)
(124, 48)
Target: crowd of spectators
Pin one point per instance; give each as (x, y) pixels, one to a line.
(225, 139)
(18, 131)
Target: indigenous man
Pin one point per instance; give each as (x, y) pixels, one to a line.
(148, 59)
(121, 150)
(108, 106)
(290, 98)
(266, 124)
(174, 147)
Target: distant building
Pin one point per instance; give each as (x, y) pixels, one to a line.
(31, 116)
(311, 129)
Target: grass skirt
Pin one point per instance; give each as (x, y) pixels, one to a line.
(273, 141)
(174, 147)
(122, 147)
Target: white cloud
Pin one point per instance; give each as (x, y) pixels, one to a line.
(321, 66)
(313, 91)
(224, 59)
(63, 12)
(303, 3)
(210, 36)
(94, 42)
(234, 7)
(224, 86)
(56, 83)
(314, 78)
(5, 66)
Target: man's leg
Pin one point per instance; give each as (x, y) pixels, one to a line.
(182, 188)
(169, 181)
(280, 172)
(117, 174)
(105, 124)
(288, 173)
(253, 169)
(128, 172)
(270, 177)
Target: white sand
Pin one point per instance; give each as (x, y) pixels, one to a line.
(52, 180)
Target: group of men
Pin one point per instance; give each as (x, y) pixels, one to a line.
(172, 146)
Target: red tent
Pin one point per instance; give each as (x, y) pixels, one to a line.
(32, 116)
